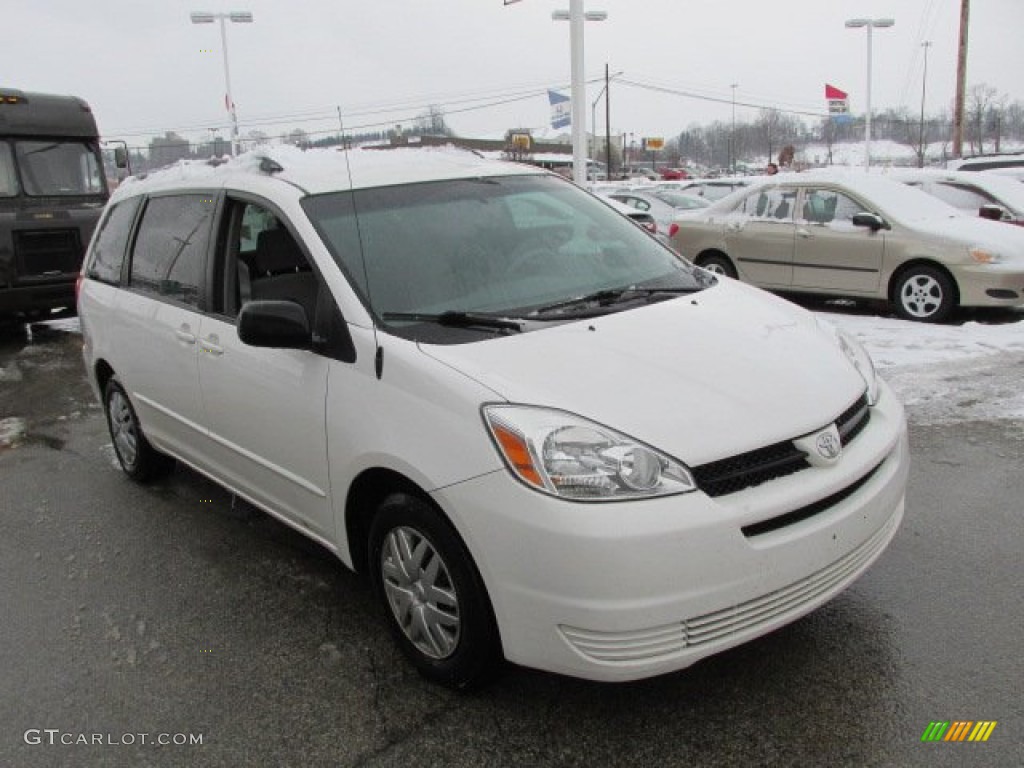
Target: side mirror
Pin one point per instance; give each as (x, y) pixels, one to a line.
(279, 324)
(120, 157)
(872, 220)
(990, 211)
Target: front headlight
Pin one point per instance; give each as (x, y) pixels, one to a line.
(862, 361)
(857, 355)
(568, 456)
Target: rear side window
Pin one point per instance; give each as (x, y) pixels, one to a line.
(112, 242)
(169, 258)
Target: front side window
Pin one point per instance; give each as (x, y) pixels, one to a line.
(826, 206)
(962, 196)
(169, 258)
(8, 179)
(56, 168)
(111, 243)
(510, 245)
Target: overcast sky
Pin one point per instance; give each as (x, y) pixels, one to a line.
(146, 69)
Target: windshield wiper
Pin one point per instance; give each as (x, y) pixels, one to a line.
(458, 319)
(598, 300)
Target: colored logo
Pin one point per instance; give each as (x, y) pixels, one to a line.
(959, 730)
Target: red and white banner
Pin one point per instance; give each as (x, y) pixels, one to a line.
(838, 103)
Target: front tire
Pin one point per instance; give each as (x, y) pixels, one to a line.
(432, 595)
(924, 294)
(139, 460)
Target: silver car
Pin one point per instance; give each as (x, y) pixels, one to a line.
(859, 236)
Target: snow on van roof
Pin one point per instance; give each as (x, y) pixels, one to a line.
(328, 170)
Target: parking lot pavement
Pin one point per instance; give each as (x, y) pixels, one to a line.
(132, 613)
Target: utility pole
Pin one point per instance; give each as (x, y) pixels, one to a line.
(732, 134)
(924, 79)
(961, 81)
(607, 126)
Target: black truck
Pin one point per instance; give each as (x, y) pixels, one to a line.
(52, 191)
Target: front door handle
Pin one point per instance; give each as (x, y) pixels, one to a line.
(212, 345)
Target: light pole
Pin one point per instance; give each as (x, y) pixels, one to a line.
(732, 136)
(869, 25)
(238, 17)
(924, 80)
(576, 17)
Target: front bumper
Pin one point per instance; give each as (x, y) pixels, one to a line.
(984, 285)
(630, 590)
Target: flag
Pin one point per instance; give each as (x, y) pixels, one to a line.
(561, 114)
(838, 103)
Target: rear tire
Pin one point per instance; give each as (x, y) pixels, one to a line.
(924, 294)
(432, 595)
(139, 460)
(718, 264)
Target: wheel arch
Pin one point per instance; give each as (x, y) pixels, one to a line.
(365, 495)
(902, 269)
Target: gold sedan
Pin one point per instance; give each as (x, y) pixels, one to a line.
(858, 236)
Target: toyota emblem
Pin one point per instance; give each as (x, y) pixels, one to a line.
(828, 445)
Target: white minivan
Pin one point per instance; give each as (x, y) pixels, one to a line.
(540, 434)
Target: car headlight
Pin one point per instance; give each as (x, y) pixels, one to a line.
(862, 361)
(857, 355)
(984, 255)
(568, 456)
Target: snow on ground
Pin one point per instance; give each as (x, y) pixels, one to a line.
(946, 373)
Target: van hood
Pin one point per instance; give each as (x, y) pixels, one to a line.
(700, 377)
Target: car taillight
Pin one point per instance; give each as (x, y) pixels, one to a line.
(672, 229)
(651, 227)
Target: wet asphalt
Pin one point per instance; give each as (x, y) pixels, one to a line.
(128, 611)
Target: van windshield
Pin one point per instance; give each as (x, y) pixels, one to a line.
(58, 168)
(503, 245)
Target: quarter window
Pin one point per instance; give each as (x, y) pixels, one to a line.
(169, 258)
(111, 242)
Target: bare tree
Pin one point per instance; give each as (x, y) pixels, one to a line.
(432, 122)
(980, 99)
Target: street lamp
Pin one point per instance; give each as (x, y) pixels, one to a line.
(576, 17)
(924, 81)
(238, 17)
(869, 25)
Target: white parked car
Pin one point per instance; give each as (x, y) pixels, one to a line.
(984, 194)
(540, 434)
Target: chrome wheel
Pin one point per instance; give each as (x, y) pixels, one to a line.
(420, 592)
(921, 296)
(123, 429)
(715, 268)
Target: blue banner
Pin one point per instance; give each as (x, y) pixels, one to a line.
(561, 112)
